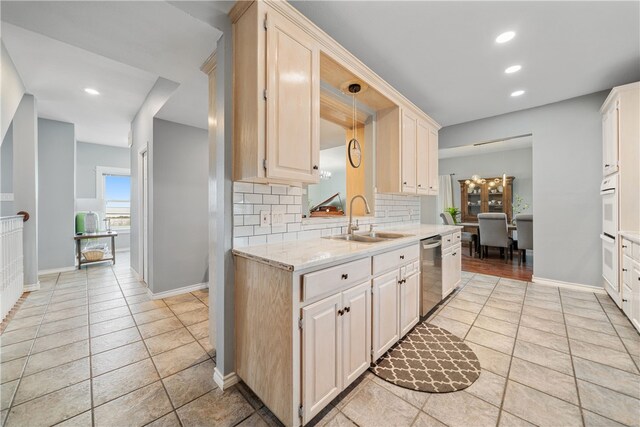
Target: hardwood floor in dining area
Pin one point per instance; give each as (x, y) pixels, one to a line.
(495, 265)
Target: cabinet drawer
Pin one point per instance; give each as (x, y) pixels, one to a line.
(627, 247)
(448, 240)
(457, 237)
(395, 259)
(332, 279)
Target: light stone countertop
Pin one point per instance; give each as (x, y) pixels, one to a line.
(634, 237)
(305, 254)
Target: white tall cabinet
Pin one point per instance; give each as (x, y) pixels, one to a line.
(621, 155)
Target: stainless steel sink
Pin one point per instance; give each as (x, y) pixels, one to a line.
(356, 238)
(383, 235)
(371, 237)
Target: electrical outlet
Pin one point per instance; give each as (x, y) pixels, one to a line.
(277, 218)
(265, 218)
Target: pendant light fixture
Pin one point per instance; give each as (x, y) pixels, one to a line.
(354, 151)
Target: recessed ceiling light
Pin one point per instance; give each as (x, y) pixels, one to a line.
(505, 37)
(517, 93)
(513, 69)
(91, 91)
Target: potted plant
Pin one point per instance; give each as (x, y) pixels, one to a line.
(519, 205)
(454, 212)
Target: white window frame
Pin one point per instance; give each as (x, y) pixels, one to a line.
(101, 171)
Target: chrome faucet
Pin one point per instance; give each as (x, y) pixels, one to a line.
(356, 227)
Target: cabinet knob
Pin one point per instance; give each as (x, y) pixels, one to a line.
(340, 312)
(404, 183)
(347, 309)
(315, 167)
(401, 256)
(624, 300)
(624, 269)
(607, 165)
(454, 254)
(345, 276)
(419, 185)
(624, 246)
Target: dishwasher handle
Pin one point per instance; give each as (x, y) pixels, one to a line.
(431, 245)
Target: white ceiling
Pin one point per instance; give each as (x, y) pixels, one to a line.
(57, 73)
(517, 143)
(443, 55)
(118, 48)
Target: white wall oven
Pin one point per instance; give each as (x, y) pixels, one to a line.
(609, 235)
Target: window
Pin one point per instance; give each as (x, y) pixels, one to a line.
(117, 200)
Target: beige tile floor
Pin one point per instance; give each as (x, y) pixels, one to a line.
(90, 348)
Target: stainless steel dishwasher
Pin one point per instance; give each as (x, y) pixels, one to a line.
(431, 268)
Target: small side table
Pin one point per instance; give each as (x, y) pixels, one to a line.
(79, 237)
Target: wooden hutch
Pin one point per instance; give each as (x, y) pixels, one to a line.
(488, 196)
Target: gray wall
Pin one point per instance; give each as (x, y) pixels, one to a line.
(567, 151)
(6, 172)
(56, 194)
(516, 163)
(142, 136)
(92, 155)
(180, 206)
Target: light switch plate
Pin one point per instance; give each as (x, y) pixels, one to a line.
(265, 218)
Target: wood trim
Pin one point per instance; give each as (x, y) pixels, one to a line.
(239, 9)
(337, 111)
(263, 334)
(210, 64)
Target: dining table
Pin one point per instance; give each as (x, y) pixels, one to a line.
(476, 225)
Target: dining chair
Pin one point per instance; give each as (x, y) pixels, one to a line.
(494, 233)
(471, 238)
(524, 225)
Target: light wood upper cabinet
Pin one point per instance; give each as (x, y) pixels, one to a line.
(293, 102)
(406, 153)
(276, 99)
(432, 167)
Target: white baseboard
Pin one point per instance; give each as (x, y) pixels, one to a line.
(567, 285)
(226, 381)
(174, 292)
(57, 270)
(32, 287)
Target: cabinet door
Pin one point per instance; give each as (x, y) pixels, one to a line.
(456, 267)
(293, 102)
(433, 162)
(356, 327)
(635, 296)
(321, 354)
(423, 164)
(626, 288)
(408, 156)
(610, 136)
(447, 273)
(409, 303)
(385, 313)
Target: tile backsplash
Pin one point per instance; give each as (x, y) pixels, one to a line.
(249, 200)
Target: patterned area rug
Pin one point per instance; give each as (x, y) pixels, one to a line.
(429, 359)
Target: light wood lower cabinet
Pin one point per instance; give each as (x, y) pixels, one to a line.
(451, 269)
(630, 278)
(409, 291)
(335, 346)
(385, 312)
(301, 339)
